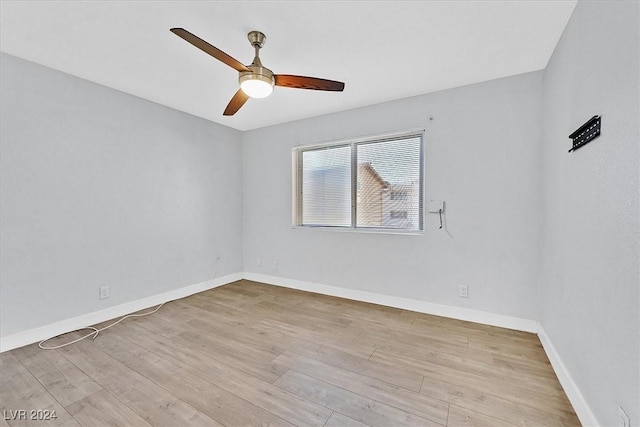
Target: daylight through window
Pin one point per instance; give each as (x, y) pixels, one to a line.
(370, 184)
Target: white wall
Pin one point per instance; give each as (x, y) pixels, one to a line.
(482, 158)
(102, 188)
(589, 287)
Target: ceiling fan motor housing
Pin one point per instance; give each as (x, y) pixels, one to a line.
(259, 78)
(257, 73)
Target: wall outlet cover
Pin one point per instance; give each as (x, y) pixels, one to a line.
(463, 291)
(104, 292)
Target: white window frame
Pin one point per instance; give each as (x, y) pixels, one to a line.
(296, 156)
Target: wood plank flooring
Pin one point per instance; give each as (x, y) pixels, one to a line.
(250, 354)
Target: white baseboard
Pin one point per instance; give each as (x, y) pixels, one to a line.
(586, 416)
(30, 336)
(576, 398)
(460, 313)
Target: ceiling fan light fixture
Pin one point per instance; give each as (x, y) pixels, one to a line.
(256, 85)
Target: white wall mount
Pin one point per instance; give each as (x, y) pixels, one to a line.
(435, 206)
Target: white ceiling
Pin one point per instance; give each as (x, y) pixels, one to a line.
(382, 50)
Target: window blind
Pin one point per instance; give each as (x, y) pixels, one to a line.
(369, 184)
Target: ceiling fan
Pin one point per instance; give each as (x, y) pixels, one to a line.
(256, 81)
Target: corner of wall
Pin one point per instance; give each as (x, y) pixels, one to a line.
(571, 389)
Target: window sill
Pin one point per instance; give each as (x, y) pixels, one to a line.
(360, 230)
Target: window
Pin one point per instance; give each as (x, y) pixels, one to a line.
(365, 184)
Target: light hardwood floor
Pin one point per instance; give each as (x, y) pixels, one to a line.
(253, 354)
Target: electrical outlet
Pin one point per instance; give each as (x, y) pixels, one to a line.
(258, 261)
(463, 291)
(105, 292)
(623, 418)
(274, 265)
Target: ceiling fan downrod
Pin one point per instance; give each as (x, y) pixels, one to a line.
(257, 40)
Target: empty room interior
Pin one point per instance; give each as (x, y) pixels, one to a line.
(433, 220)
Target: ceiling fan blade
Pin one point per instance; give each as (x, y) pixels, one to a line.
(210, 49)
(236, 102)
(302, 82)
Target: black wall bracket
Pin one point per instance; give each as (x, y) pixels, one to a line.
(586, 133)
